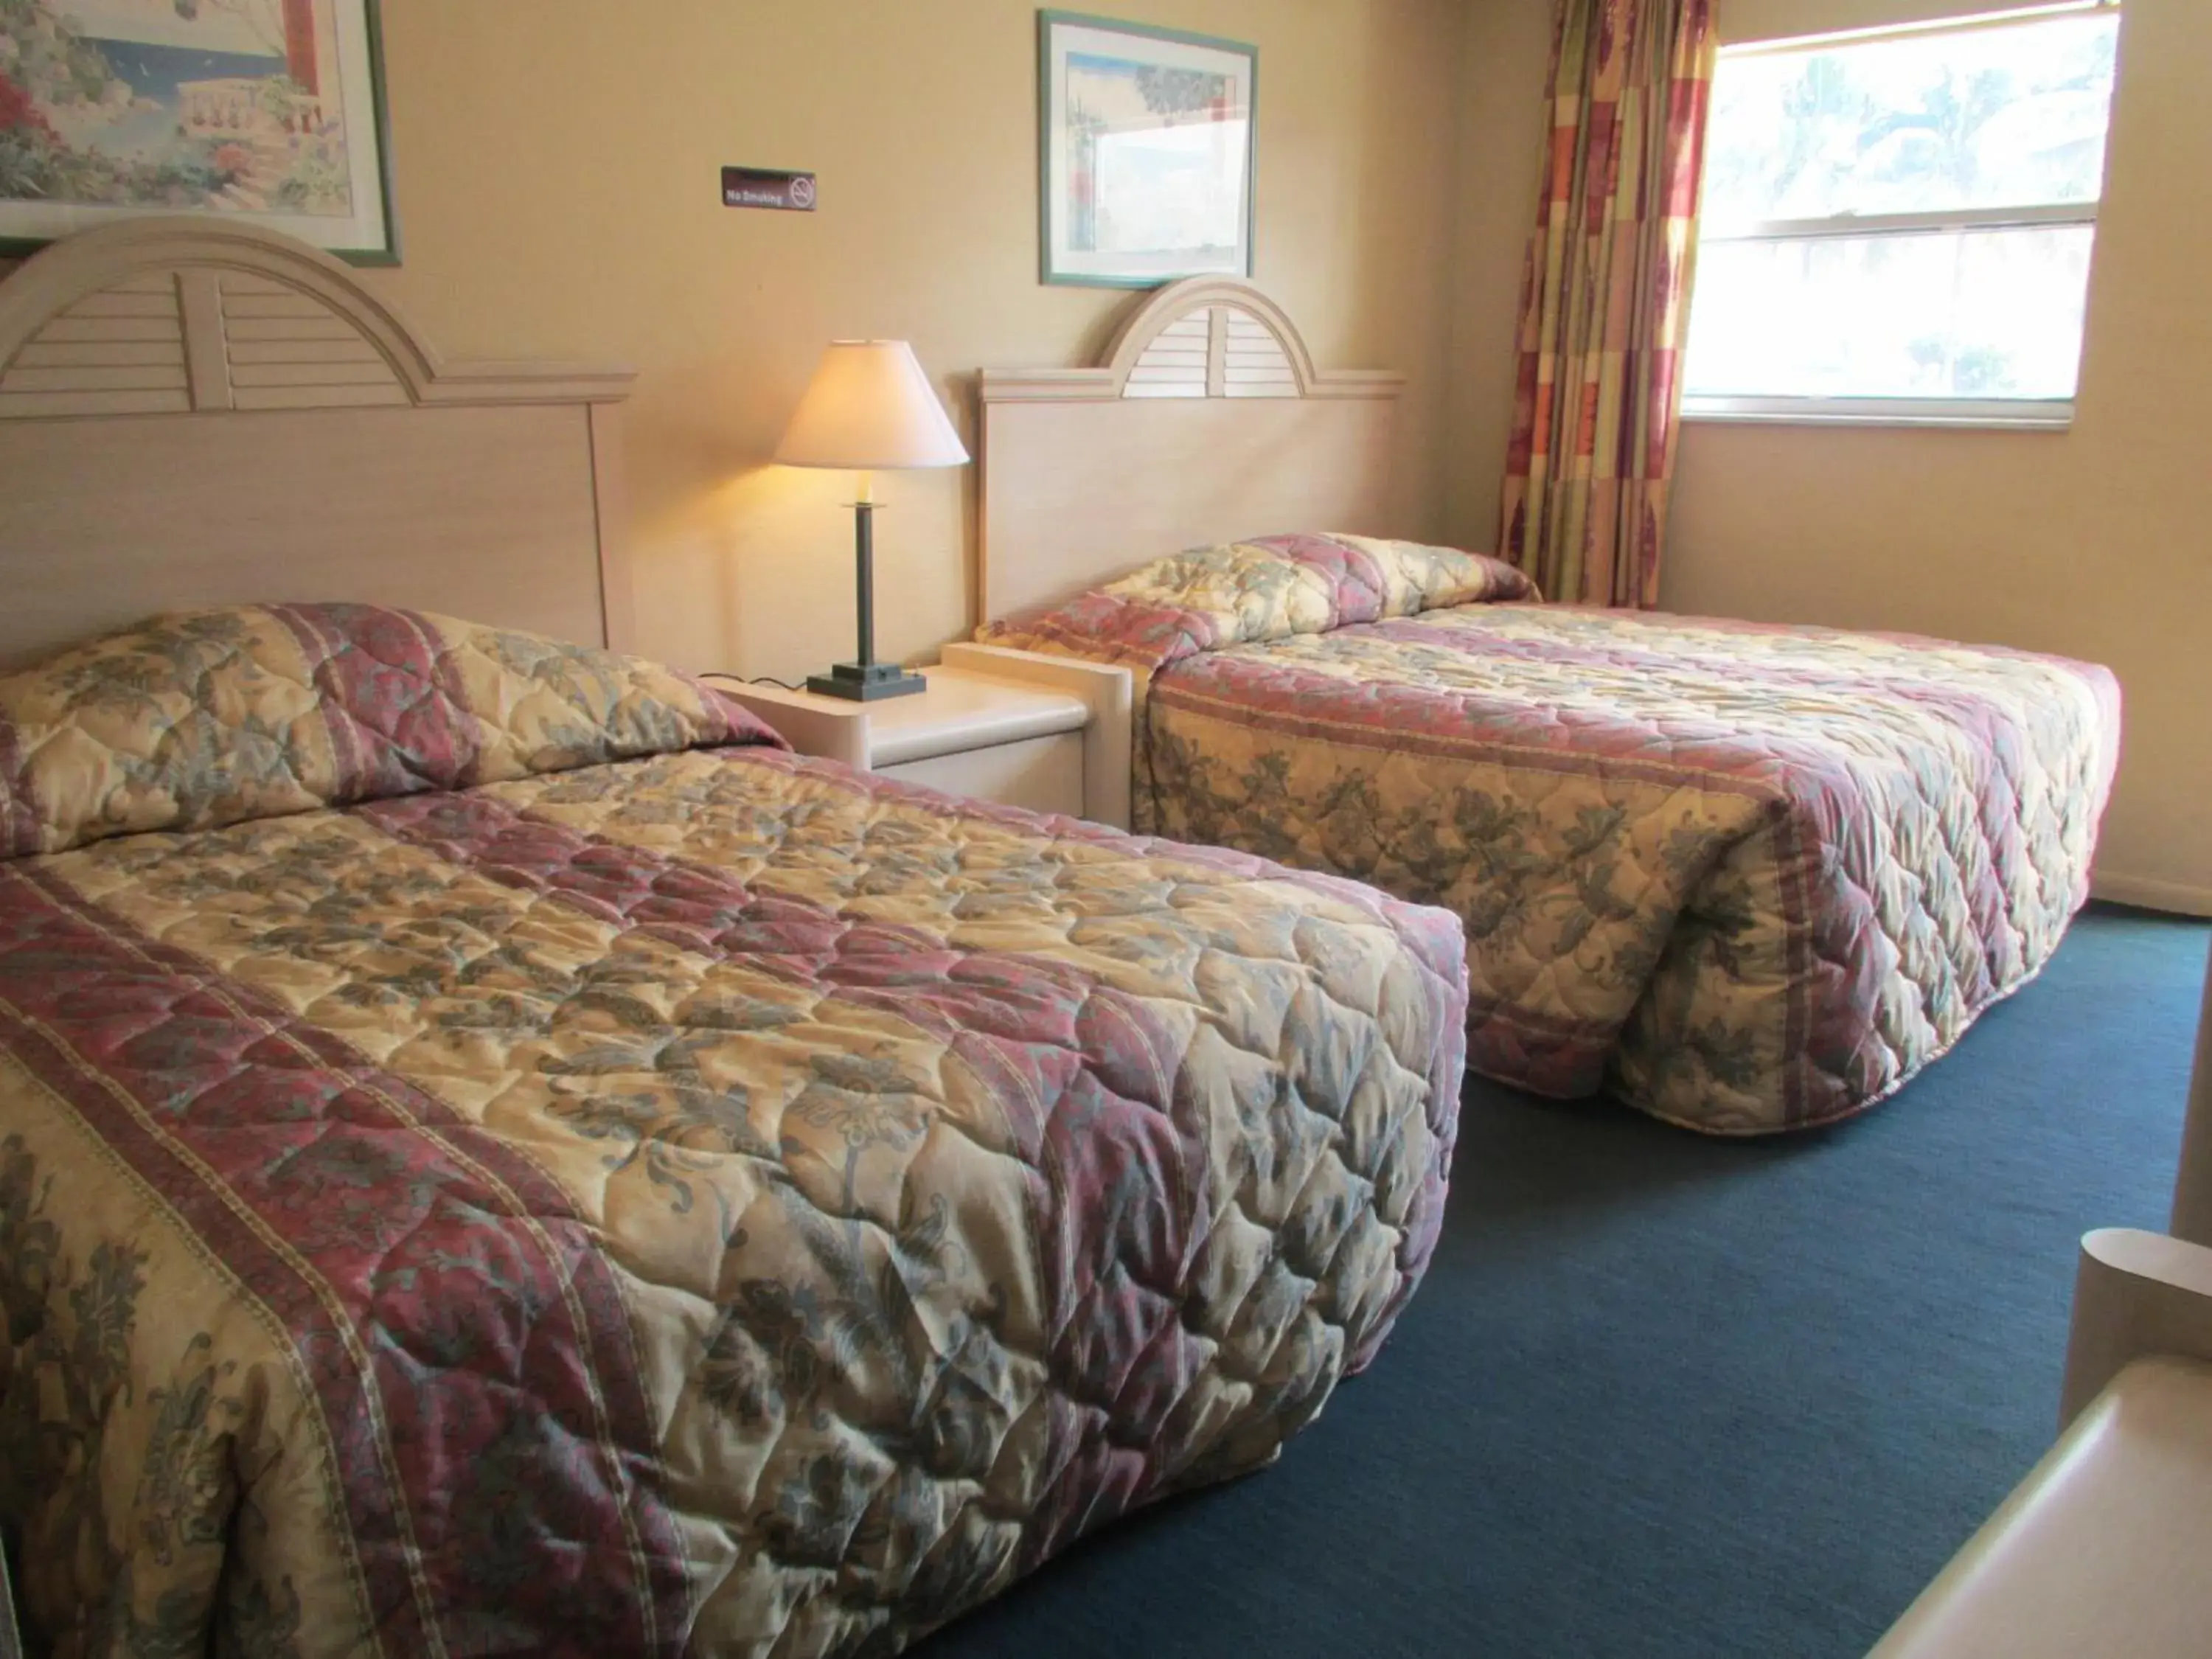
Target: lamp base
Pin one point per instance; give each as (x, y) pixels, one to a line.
(859, 682)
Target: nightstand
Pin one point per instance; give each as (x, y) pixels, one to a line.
(1048, 734)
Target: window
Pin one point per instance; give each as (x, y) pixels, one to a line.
(1897, 227)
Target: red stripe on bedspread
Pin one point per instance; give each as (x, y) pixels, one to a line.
(470, 1446)
(1118, 1170)
(1356, 587)
(392, 698)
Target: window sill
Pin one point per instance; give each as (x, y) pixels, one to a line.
(1975, 417)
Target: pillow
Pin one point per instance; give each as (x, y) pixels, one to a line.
(206, 718)
(1249, 592)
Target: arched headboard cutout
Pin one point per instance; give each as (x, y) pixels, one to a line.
(176, 316)
(1205, 420)
(1208, 339)
(1205, 336)
(196, 413)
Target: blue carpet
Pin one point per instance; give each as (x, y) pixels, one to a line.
(1664, 1396)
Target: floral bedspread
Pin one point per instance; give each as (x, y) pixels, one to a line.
(494, 1156)
(1749, 878)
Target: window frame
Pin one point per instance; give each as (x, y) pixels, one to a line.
(2032, 413)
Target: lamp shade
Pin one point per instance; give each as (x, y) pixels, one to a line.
(869, 408)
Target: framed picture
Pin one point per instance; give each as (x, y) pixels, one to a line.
(1146, 148)
(269, 111)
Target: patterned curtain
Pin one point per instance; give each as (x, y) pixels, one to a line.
(1604, 299)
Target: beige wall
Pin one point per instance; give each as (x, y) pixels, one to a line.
(1504, 58)
(558, 182)
(2096, 543)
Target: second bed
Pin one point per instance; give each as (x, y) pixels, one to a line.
(1751, 878)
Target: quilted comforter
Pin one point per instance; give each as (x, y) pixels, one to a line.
(1751, 878)
(497, 1156)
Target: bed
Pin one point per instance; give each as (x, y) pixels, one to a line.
(1748, 879)
(496, 1154)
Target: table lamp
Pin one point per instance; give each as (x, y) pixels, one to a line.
(869, 409)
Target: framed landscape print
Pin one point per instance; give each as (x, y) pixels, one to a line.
(269, 111)
(1147, 142)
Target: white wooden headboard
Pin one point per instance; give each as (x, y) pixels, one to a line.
(196, 413)
(1206, 421)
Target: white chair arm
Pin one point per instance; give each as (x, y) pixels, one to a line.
(2135, 1295)
(2099, 1553)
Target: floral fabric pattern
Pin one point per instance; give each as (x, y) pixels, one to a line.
(716, 1201)
(207, 717)
(1249, 592)
(1748, 879)
(1275, 587)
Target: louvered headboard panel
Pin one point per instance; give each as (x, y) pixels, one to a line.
(1223, 350)
(194, 413)
(119, 351)
(284, 349)
(1206, 421)
(171, 343)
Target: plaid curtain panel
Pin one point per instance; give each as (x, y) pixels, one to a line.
(1604, 299)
